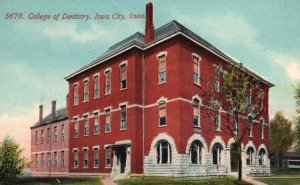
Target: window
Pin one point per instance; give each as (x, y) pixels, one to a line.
(55, 159)
(250, 126)
(62, 132)
(218, 120)
(96, 123)
(196, 104)
(48, 134)
(164, 152)
(107, 120)
(55, 134)
(262, 132)
(36, 137)
(107, 82)
(123, 117)
(262, 156)
(108, 157)
(42, 136)
(85, 91)
(217, 153)
(162, 68)
(48, 158)
(217, 78)
(85, 158)
(162, 113)
(86, 125)
(62, 158)
(196, 152)
(96, 87)
(196, 62)
(96, 157)
(76, 165)
(76, 128)
(250, 156)
(123, 76)
(36, 160)
(76, 98)
(42, 159)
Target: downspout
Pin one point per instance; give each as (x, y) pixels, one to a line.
(144, 88)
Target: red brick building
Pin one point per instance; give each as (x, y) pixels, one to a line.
(138, 109)
(50, 143)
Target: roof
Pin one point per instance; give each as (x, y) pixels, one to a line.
(61, 114)
(163, 33)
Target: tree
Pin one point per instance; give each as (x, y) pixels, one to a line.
(282, 135)
(11, 162)
(297, 98)
(238, 95)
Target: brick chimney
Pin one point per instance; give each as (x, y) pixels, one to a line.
(149, 30)
(41, 113)
(53, 112)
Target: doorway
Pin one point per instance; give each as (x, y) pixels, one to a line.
(234, 160)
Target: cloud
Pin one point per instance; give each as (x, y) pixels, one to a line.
(289, 63)
(18, 127)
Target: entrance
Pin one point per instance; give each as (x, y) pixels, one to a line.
(234, 157)
(121, 159)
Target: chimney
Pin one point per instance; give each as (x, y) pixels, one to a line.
(53, 110)
(41, 113)
(149, 30)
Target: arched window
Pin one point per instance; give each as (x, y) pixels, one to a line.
(250, 156)
(196, 104)
(196, 152)
(250, 125)
(217, 153)
(164, 152)
(262, 155)
(262, 132)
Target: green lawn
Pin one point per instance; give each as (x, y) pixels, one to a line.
(182, 181)
(281, 180)
(282, 176)
(63, 180)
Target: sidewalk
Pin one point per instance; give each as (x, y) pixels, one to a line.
(252, 181)
(108, 181)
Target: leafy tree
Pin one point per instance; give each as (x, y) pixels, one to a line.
(238, 95)
(11, 162)
(282, 135)
(297, 97)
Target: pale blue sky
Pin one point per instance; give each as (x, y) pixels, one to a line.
(36, 55)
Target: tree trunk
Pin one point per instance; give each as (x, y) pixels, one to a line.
(277, 159)
(240, 160)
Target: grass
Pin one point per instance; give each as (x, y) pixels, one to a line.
(282, 176)
(63, 180)
(182, 181)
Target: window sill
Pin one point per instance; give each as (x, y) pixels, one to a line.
(160, 126)
(123, 129)
(95, 134)
(123, 89)
(85, 101)
(96, 97)
(75, 137)
(96, 167)
(85, 135)
(218, 130)
(75, 105)
(250, 136)
(85, 167)
(107, 94)
(159, 83)
(107, 167)
(75, 167)
(106, 132)
(197, 84)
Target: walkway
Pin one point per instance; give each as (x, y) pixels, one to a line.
(252, 181)
(107, 180)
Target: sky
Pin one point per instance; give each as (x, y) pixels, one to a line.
(36, 54)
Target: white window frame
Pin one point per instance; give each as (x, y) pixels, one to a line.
(199, 112)
(96, 85)
(198, 57)
(75, 151)
(124, 63)
(108, 122)
(96, 118)
(106, 72)
(219, 119)
(86, 125)
(76, 93)
(96, 157)
(107, 165)
(158, 56)
(62, 156)
(86, 90)
(121, 116)
(262, 129)
(85, 154)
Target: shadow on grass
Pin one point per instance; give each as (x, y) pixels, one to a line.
(150, 180)
(58, 180)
